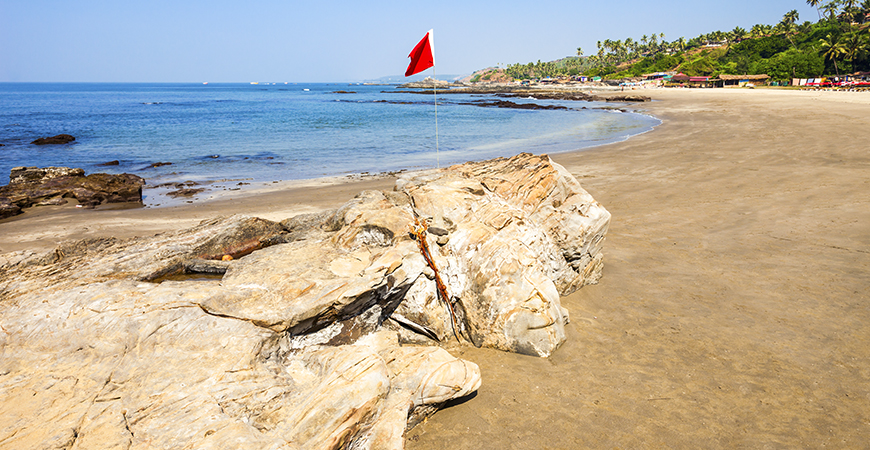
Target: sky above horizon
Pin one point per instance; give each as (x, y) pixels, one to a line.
(339, 41)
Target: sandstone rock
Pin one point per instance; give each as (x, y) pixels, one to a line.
(298, 344)
(29, 186)
(59, 139)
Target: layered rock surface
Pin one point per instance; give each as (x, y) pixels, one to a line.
(321, 331)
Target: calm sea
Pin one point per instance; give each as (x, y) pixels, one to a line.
(282, 131)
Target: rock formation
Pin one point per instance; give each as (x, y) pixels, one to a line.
(32, 186)
(59, 139)
(322, 331)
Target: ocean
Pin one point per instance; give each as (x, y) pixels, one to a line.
(281, 131)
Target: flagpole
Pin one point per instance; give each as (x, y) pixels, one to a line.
(435, 92)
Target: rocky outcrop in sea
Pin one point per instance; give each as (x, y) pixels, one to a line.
(54, 140)
(325, 331)
(33, 186)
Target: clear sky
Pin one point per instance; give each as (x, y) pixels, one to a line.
(323, 40)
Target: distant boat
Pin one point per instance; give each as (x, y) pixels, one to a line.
(306, 89)
(254, 82)
(205, 82)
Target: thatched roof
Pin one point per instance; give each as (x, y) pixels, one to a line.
(724, 77)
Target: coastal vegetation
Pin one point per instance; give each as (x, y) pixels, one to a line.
(838, 43)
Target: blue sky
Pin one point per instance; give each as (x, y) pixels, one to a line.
(330, 41)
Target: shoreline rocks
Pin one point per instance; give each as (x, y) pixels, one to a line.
(326, 330)
(33, 186)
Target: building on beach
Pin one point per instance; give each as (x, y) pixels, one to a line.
(740, 80)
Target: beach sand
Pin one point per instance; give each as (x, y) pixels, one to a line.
(734, 310)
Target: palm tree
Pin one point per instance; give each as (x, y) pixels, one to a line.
(791, 17)
(787, 25)
(832, 49)
(630, 48)
(580, 51)
(831, 8)
(856, 45)
(681, 42)
(865, 11)
(738, 34)
(757, 31)
(816, 4)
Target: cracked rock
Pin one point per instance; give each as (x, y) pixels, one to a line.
(296, 345)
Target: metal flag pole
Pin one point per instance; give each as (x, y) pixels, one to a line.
(435, 93)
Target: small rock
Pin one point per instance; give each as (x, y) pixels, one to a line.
(110, 163)
(185, 192)
(437, 231)
(159, 164)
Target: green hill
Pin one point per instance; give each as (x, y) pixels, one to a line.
(839, 43)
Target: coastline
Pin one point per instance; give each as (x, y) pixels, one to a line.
(733, 306)
(42, 228)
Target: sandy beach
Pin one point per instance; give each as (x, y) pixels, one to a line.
(733, 311)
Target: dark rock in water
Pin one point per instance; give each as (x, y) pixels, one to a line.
(2, 145)
(32, 186)
(176, 185)
(343, 92)
(509, 104)
(568, 95)
(185, 192)
(159, 164)
(111, 163)
(59, 139)
(628, 98)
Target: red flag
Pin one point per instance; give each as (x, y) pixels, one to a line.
(421, 56)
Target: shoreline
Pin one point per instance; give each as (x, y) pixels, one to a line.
(42, 228)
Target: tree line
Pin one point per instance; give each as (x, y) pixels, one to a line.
(838, 43)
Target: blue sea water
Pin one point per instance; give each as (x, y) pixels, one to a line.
(267, 132)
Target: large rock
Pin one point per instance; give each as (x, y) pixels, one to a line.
(303, 342)
(33, 186)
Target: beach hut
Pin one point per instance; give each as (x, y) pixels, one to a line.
(659, 75)
(699, 82)
(743, 80)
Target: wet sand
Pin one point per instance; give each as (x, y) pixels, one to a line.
(734, 310)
